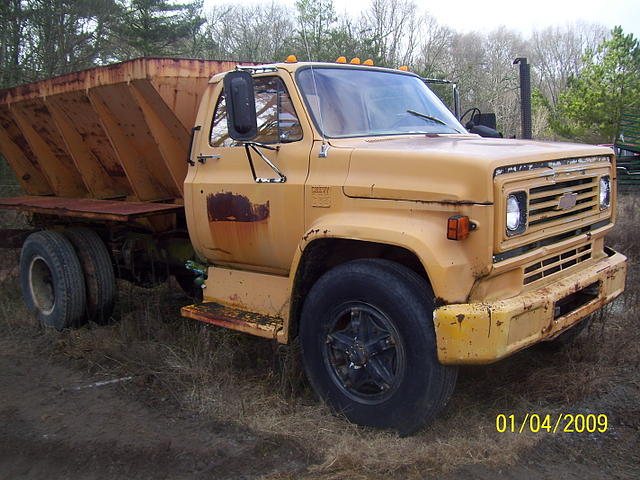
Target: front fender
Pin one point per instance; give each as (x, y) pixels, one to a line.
(452, 266)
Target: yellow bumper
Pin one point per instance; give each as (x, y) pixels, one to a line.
(486, 332)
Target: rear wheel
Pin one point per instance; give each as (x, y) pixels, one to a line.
(368, 345)
(98, 272)
(51, 280)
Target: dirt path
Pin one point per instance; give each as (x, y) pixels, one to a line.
(50, 431)
(53, 430)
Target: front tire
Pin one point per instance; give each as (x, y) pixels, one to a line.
(51, 280)
(368, 345)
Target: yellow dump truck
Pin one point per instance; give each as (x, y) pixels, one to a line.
(336, 205)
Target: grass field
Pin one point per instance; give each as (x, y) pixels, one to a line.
(253, 384)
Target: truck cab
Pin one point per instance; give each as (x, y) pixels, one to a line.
(336, 206)
(350, 166)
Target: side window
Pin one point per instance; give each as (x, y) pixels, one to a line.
(277, 120)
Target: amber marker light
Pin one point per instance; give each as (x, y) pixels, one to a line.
(459, 227)
(341, 60)
(404, 68)
(355, 61)
(291, 59)
(368, 61)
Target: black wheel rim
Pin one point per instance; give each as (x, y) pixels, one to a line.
(363, 353)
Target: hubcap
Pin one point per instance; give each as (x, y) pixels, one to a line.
(41, 284)
(364, 354)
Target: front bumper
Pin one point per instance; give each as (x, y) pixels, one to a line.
(477, 333)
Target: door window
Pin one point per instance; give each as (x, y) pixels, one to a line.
(277, 120)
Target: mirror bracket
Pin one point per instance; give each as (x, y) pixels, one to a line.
(248, 146)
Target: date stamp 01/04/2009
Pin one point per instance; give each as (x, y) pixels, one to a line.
(552, 423)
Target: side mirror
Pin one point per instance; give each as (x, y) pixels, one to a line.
(484, 124)
(241, 106)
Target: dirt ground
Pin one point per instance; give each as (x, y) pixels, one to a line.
(51, 430)
(57, 424)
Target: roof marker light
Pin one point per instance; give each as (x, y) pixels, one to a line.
(291, 59)
(404, 68)
(355, 61)
(341, 60)
(368, 61)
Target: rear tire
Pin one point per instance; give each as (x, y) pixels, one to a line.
(369, 349)
(98, 273)
(51, 280)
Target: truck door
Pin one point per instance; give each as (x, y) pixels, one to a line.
(239, 221)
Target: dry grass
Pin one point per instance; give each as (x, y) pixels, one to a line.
(254, 384)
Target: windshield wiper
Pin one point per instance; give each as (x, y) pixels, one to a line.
(428, 117)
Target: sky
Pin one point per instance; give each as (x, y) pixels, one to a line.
(468, 15)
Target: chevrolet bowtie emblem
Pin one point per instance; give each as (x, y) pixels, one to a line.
(567, 201)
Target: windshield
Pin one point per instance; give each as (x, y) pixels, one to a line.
(349, 102)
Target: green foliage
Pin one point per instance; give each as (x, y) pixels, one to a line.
(155, 28)
(608, 84)
(44, 38)
(315, 19)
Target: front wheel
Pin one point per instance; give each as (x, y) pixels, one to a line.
(368, 345)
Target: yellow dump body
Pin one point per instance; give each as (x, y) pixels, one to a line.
(119, 132)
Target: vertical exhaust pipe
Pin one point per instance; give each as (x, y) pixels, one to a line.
(525, 96)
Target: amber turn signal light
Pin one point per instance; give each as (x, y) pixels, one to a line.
(458, 227)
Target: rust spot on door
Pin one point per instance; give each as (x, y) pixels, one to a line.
(229, 207)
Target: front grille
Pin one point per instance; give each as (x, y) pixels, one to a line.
(557, 262)
(544, 210)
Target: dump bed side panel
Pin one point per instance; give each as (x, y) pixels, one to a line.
(115, 132)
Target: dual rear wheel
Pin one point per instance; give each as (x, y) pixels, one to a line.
(67, 277)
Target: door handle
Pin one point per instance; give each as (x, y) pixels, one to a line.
(203, 158)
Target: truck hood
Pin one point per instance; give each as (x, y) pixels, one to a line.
(444, 168)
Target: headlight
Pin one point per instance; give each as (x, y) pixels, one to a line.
(516, 213)
(605, 192)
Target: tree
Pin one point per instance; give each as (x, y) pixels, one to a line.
(315, 19)
(557, 54)
(148, 28)
(43, 38)
(609, 83)
(65, 35)
(12, 18)
(258, 33)
(394, 28)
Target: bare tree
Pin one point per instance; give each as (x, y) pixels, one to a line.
(557, 54)
(257, 33)
(433, 49)
(394, 28)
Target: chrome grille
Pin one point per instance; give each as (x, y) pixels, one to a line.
(544, 210)
(556, 263)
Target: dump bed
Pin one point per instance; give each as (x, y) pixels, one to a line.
(119, 132)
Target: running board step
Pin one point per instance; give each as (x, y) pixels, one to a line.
(234, 319)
